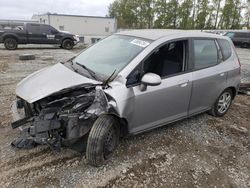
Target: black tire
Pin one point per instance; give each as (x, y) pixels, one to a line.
(27, 57)
(216, 110)
(10, 44)
(245, 45)
(103, 140)
(67, 44)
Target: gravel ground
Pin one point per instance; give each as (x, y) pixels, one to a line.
(201, 151)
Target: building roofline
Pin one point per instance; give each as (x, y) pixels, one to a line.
(21, 21)
(72, 15)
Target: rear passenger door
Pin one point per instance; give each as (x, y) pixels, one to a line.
(34, 34)
(208, 74)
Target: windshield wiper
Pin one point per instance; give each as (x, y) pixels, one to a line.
(91, 73)
(106, 82)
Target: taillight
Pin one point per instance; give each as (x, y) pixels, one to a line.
(238, 61)
(239, 64)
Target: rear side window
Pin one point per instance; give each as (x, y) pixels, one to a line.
(34, 29)
(225, 48)
(205, 53)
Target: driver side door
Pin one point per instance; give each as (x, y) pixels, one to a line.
(168, 101)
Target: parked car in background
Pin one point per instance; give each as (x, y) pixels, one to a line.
(12, 34)
(125, 84)
(239, 38)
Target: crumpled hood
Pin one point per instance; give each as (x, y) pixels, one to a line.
(48, 81)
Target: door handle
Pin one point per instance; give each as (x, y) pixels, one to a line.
(30, 33)
(222, 74)
(184, 84)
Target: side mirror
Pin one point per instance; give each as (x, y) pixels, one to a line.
(150, 79)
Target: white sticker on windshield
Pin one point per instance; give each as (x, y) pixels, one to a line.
(140, 43)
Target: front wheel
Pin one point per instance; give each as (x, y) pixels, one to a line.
(67, 44)
(222, 104)
(103, 140)
(10, 44)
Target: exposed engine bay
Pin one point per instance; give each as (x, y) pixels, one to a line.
(60, 119)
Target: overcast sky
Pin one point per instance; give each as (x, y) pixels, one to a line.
(24, 9)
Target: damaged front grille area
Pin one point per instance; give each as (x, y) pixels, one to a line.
(60, 119)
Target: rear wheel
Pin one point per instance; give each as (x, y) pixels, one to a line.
(67, 44)
(10, 44)
(103, 140)
(222, 104)
(245, 45)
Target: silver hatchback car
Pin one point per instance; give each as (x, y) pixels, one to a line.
(126, 84)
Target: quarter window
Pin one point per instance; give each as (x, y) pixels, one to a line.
(205, 53)
(225, 48)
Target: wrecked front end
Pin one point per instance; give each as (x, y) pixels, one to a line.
(60, 119)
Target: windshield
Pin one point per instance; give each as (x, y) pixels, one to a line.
(111, 54)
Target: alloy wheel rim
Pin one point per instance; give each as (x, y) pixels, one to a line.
(68, 45)
(10, 44)
(224, 102)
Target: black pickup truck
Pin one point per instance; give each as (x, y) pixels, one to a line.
(12, 34)
(239, 38)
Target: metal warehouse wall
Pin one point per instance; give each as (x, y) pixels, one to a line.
(89, 27)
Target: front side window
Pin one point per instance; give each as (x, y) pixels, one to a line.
(205, 53)
(61, 27)
(47, 29)
(165, 61)
(111, 54)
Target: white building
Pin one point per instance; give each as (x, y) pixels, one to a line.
(90, 27)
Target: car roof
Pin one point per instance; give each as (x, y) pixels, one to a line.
(155, 34)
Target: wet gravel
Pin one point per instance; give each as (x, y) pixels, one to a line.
(201, 151)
